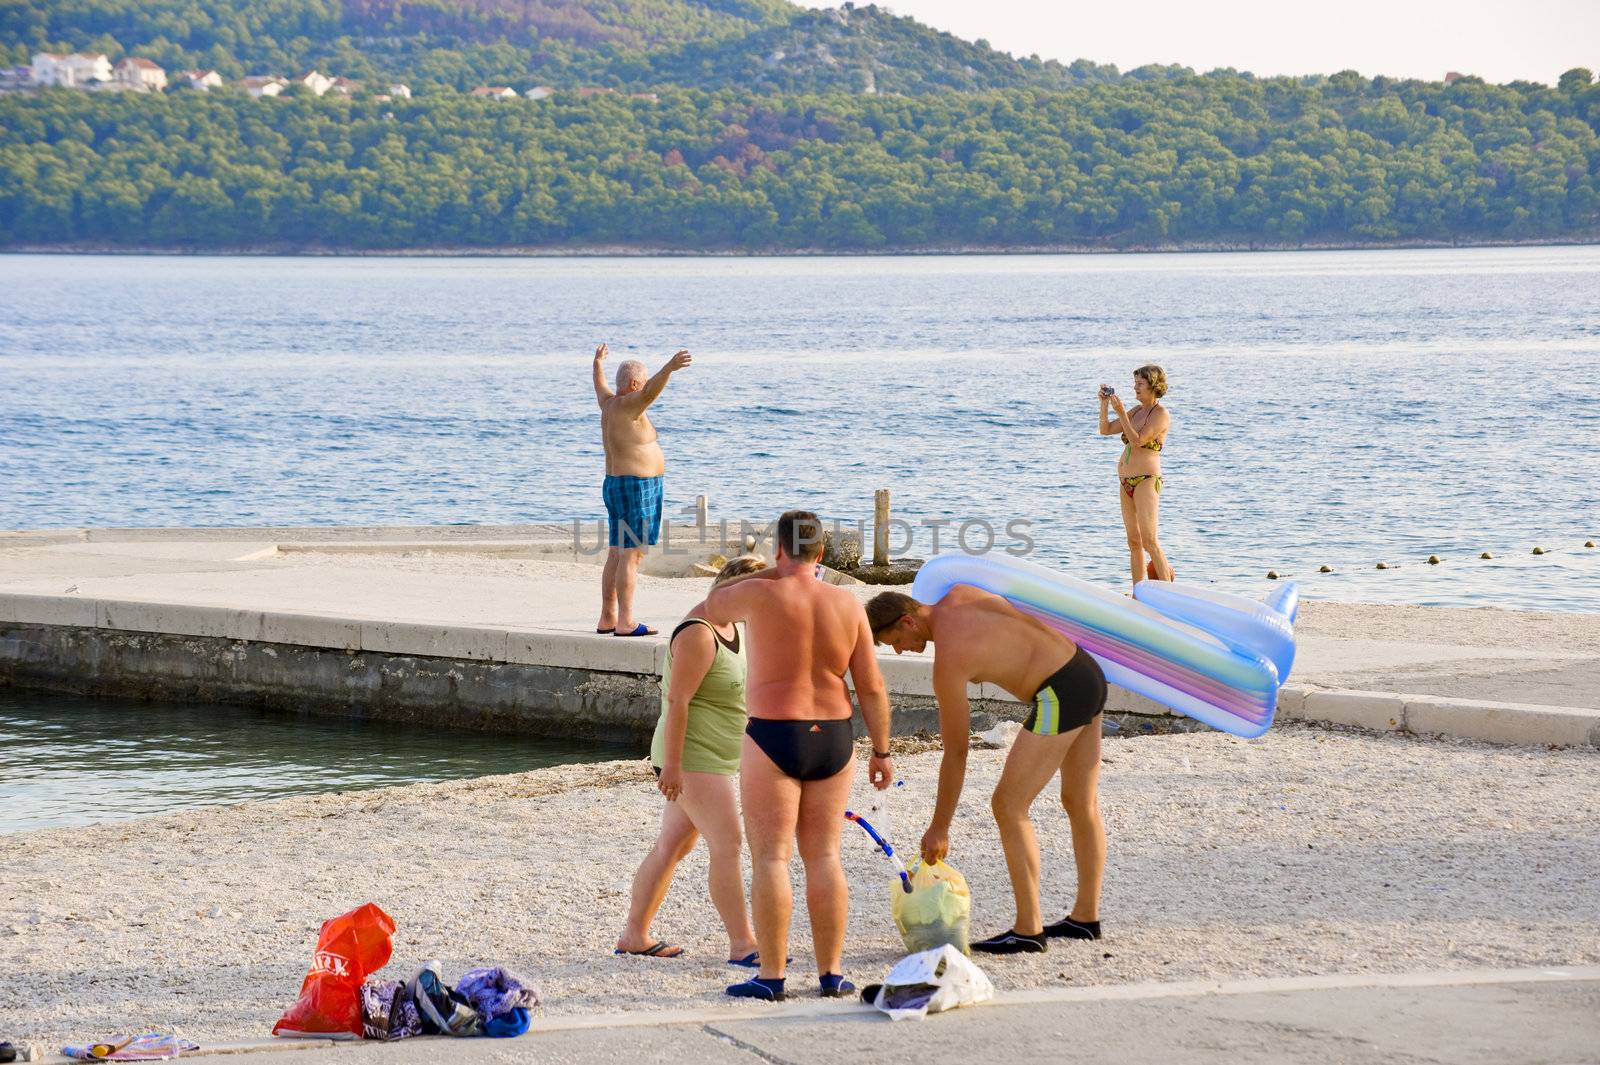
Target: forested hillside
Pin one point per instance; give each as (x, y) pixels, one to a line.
(1180, 160)
(753, 45)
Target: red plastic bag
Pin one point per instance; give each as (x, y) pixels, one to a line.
(349, 947)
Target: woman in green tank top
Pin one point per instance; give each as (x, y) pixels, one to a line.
(695, 752)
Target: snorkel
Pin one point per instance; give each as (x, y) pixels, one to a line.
(883, 844)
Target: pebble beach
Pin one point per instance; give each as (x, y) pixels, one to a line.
(1309, 851)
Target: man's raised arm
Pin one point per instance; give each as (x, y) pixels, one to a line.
(602, 390)
(636, 402)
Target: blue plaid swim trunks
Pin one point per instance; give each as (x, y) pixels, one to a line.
(633, 507)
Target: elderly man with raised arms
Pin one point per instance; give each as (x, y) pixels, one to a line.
(798, 759)
(635, 470)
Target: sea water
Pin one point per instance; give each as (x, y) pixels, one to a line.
(70, 760)
(1329, 408)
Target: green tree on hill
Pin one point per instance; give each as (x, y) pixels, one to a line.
(1177, 161)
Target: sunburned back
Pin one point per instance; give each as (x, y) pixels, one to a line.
(801, 633)
(998, 644)
(630, 440)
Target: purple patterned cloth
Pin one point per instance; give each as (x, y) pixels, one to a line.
(387, 1011)
(495, 991)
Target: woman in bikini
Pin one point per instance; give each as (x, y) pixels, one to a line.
(1143, 430)
(695, 753)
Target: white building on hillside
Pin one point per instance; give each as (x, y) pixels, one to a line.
(202, 80)
(400, 90)
(70, 71)
(540, 92)
(141, 74)
(317, 83)
(258, 85)
(496, 92)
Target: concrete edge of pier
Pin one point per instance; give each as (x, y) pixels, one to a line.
(555, 682)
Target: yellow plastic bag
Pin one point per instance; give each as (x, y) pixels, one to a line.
(937, 910)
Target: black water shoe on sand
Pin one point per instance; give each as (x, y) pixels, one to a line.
(1012, 943)
(836, 986)
(760, 989)
(1067, 928)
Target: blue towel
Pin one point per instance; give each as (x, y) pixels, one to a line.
(507, 1024)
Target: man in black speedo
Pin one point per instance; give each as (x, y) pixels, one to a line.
(798, 760)
(981, 638)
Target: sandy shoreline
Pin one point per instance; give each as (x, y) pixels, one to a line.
(1307, 851)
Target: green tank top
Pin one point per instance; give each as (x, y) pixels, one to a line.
(716, 713)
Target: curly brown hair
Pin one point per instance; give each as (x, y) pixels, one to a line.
(1155, 377)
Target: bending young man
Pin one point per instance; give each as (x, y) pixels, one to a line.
(981, 638)
(798, 758)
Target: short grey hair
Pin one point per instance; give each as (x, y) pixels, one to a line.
(630, 371)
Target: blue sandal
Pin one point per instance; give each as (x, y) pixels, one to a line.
(753, 960)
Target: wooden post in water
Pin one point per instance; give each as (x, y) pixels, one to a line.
(880, 527)
(702, 512)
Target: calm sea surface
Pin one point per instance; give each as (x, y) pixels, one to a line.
(1335, 408)
(73, 761)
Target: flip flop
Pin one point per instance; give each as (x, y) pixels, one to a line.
(653, 951)
(605, 632)
(642, 630)
(753, 960)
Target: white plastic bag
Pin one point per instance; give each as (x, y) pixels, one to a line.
(932, 982)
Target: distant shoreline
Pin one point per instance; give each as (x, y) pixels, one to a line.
(581, 251)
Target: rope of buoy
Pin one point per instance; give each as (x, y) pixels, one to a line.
(1433, 560)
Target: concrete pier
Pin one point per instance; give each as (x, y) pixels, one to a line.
(492, 627)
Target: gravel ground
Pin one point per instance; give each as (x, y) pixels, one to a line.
(1304, 852)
